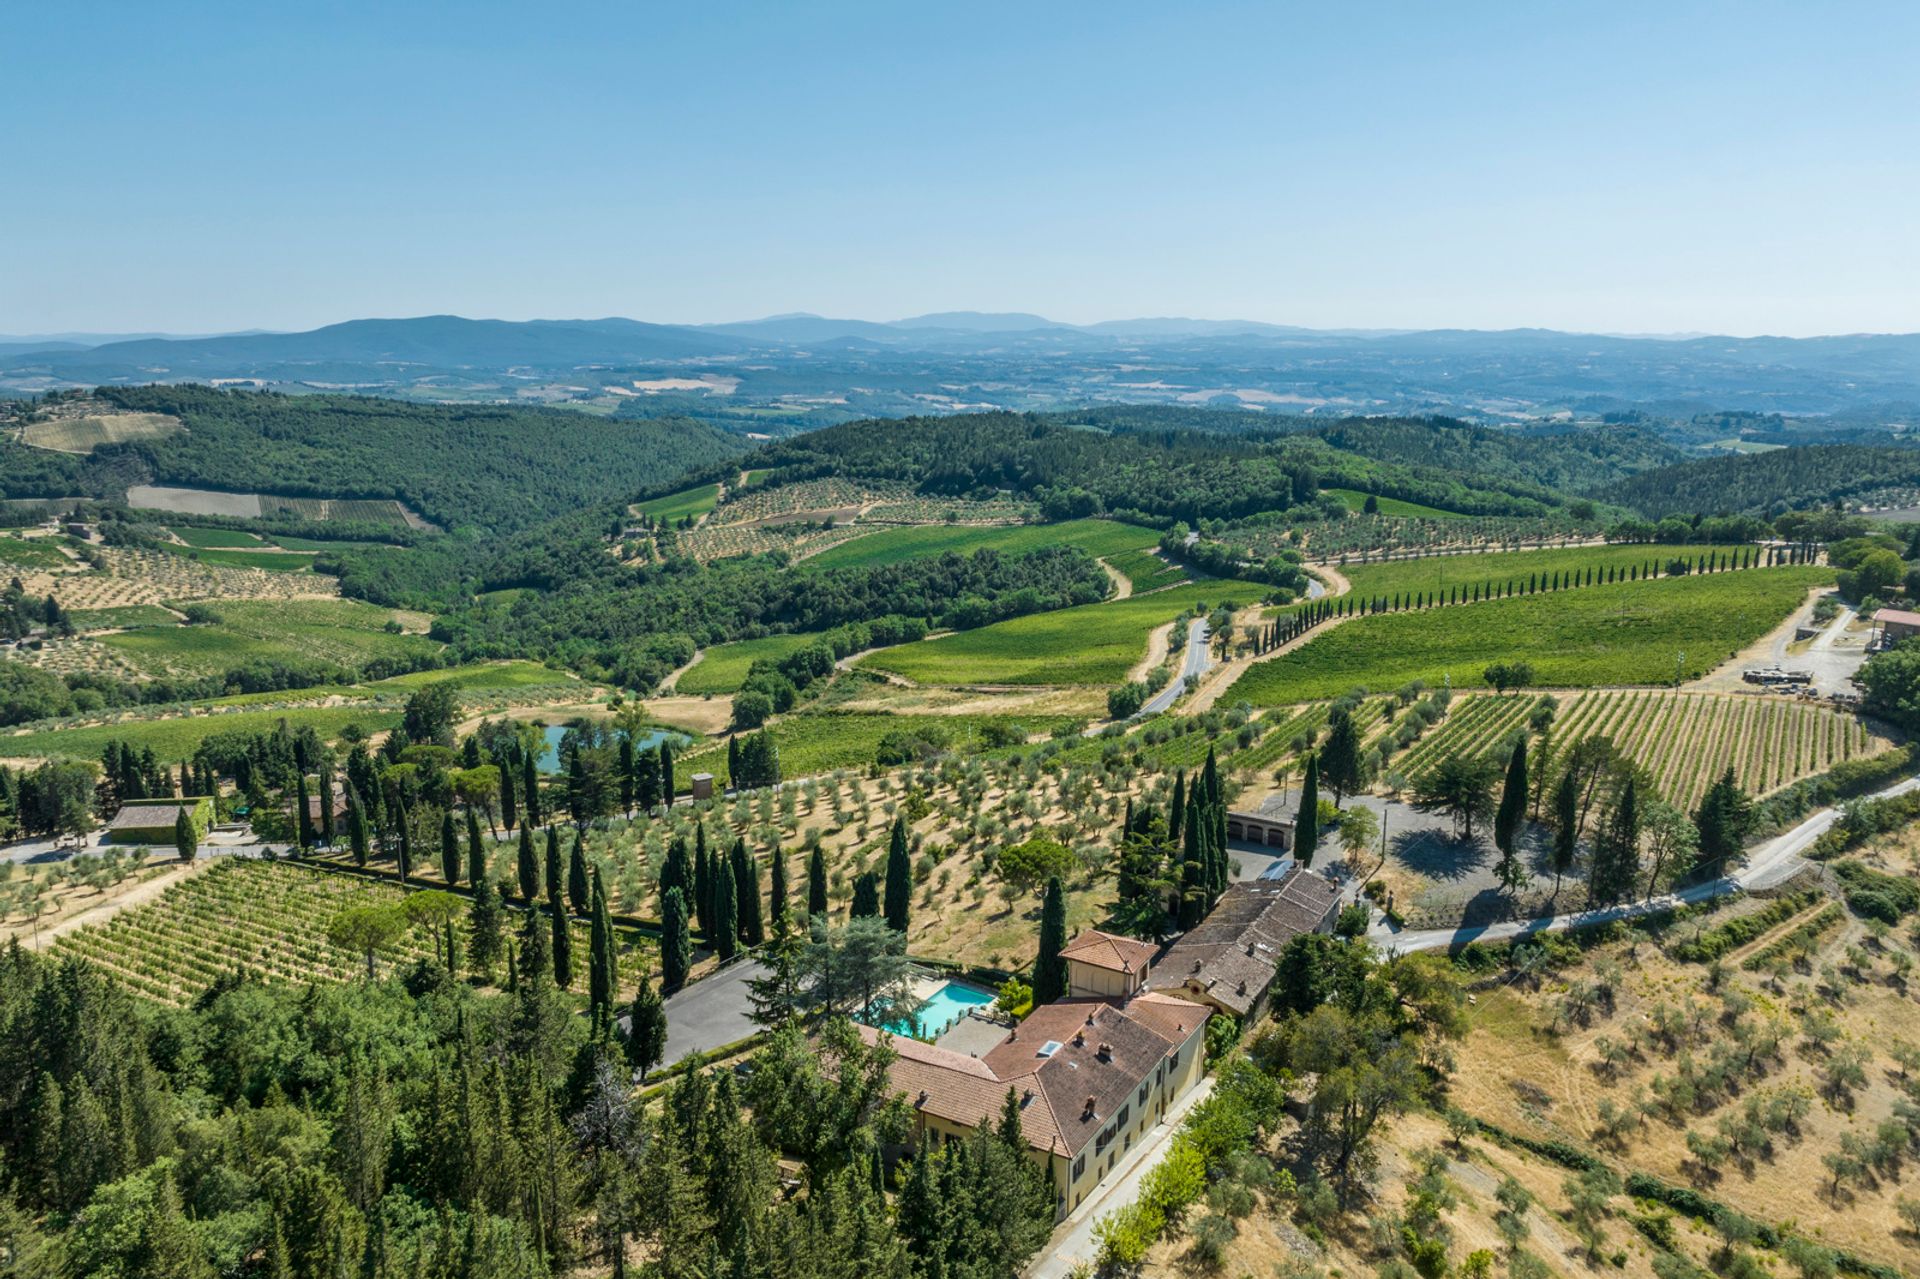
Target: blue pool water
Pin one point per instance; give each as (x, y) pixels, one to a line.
(549, 761)
(944, 1007)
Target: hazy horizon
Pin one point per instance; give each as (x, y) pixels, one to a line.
(1640, 168)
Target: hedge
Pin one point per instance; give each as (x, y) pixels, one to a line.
(1735, 933)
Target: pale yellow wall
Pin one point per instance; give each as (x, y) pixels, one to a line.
(1089, 981)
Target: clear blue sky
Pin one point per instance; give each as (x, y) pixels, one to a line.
(1743, 168)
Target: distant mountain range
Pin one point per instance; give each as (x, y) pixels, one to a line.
(798, 370)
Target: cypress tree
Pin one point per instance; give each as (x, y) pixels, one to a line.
(899, 897)
(866, 897)
(476, 851)
(724, 935)
(1177, 815)
(777, 894)
(816, 883)
(676, 943)
(673, 871)
(603, 975)
(303, 823)
(702, 883)
(666, 772)
(1049, 969)
(449, 849)
(578, 890)
(326, 805)
(529, 790)
(1193, 891)
(186, 838)
(1511, 816)
(1566, 834)
(552, 882)
(733, 759)
(509, 805)
(1616, 852)
(746, 884)
(626, 775)
(484, 919)
(1306, 825)
(405, 857)
(647, 1031)
(357, 828)
(528, 865)
(562, 939)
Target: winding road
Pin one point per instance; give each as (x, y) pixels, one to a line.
(1199, 661)
(1767, 866)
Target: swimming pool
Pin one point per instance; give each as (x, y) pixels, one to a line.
(945, 1006)
(548, 761)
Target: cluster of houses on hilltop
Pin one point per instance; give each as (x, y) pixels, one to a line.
(1098, 1069)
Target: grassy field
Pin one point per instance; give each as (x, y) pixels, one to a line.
(822, 741)
(722, 667)
(344, 631)
(1147, 572)
(84, 434)
(175, 739)
(676, 506)
(751, 479)
(1092, 644)
(1627, 633)
(1357, 501)
(38, 552)
(479, 677)
(891, 546)
(133, 615)
(1494, 569)
(272, 561)
(217, 538)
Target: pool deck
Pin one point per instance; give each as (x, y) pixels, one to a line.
(973, 1035)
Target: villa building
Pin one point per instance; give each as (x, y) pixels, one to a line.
(1227, 961)
(1106, 966)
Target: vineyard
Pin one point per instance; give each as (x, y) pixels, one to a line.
(893, 545)
(266, 919)
(1415, 535)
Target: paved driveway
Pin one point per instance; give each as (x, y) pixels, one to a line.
(709, 1013)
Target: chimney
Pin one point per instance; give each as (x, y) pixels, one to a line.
(1079, 1039)
(1106, 1052)
(1249, 950)
(1196, 965)
(1088, 1112)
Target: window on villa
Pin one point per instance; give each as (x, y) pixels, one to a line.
(1143, 1093)
(1079, 1166)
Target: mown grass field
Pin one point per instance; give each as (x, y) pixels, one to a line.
(344, 631)
(1146, 571)
(479, 677)
(1357, 501)
(1494, 569)
(823, 741)
(892, 546)
(722, 668)
(272, 561)
(217, 538)
(85, 434)
(175, 739)
(676, 506)
(1629, 633)
(132, 615)
(1091, 644)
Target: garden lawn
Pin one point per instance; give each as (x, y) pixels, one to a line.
(1090, 644)
(722, 668)
(175, 739)
(894, 545)
(1627, 633)
(1494, 569)
(677, 506)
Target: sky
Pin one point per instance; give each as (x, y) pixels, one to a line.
(1610, 167)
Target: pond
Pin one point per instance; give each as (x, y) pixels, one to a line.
(549, 761)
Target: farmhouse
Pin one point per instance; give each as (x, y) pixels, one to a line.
(1268, 827)
(1227, 961)
(1891, 625)
(151, 821)
(1090, 1078)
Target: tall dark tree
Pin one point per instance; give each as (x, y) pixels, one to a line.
(676, 942)
(326, 805)
(777, 893)
(449, 848)
(1177, 814)
(724, 935)
(579, 892)
(1306, 824)
(626, 762)
(186, 836)
(702, 882)
(866, 896)
(674, 871)
(1566, 826)
(1193, 874)
(509, 802)
(1511, 818)
(530, 808)
(646, 781)
(476, 850)
(357, 828)
(666, 772)
(603, 972)
(1342, 764)
(528, 864)
(816, 883)
(899, 894)
(1049, 969)
(746, 885)
(647, 1025)
(483, 949)
(1722, 821)
(303, 820)
(1616, 850)
(551, 882)
(562, 939)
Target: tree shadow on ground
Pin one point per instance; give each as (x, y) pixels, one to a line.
(1439, 855)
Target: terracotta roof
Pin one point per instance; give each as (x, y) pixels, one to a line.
(148, 813)
(1229, 956)
(1105, 950)
(1897, 617)
(1074, 1064)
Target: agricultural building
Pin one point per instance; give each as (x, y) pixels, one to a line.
(1268, 827)
(150, 821)
(1227, 961)
(1891, 625)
